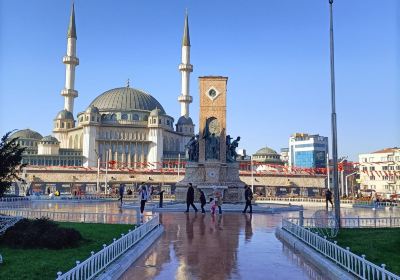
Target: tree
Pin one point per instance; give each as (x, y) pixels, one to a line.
(10, 162)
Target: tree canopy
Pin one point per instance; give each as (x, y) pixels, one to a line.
(10, 161)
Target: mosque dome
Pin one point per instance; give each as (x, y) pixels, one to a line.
(185, 121)
(265, 151)
(49, 140)
(126, 99)
(267, 155)
(26, 134)
(64, 115)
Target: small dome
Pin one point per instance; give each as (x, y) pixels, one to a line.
(92, 110)
(185, 121)
(156, 112)
(126, 99)
(49, 139)
(265, 151)
(26, 134)
(64, 115)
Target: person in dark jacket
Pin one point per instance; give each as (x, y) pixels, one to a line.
(161, 194)
(328, 197)
(121, 192)
(248, 196)
(202, 200)
(190, 198)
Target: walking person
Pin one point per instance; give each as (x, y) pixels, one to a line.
(202, 200)
(328, 197)
(190, 198)
(218, 200)
(161, 194)
(121, 192)
(144, 195)
(248, 196)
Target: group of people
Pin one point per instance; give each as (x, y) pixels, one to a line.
(145, 192)
(215, 201)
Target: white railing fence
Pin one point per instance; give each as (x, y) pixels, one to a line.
(300, 199)
(351, 262)
(97, 262)
(14, 199)
(357, 222)
(75, 216)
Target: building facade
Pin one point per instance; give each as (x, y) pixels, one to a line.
(380, 172)
(308, 151)
(124, 125)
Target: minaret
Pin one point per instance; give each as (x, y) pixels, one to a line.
(185, 67)
(71, 61)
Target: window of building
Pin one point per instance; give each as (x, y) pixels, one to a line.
(371, 168)
(391, 167)
(124, 117)
(390, 158)
(398, 167)
(385, 167)
(159, 121)
(372, 178)
(383, 158)
(371, 159)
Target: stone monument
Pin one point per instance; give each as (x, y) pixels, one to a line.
(211, 164)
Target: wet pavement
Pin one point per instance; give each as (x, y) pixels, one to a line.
(228, 246)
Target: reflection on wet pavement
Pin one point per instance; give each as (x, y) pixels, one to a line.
(230, 246)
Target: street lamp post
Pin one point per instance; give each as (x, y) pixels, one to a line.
(333, 119)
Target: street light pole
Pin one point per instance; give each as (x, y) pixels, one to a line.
(333, 119)
(98, 172)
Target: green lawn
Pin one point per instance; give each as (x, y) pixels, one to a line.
(379, 245)
(43, 264)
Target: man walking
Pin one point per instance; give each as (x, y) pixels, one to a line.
(161, 194)
(328, 197)
(121, 192)
(248, 196)
(190, 198)
(202, 200)
(144, 195)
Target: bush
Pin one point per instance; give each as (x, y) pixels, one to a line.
(40, 233)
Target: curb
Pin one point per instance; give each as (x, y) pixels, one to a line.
(122, 264)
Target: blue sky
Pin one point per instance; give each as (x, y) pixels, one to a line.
(275, 53)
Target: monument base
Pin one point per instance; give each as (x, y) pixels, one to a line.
(209, 176)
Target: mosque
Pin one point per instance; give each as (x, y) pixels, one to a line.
(125, 126)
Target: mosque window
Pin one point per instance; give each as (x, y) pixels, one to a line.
(124, 117)
(87, 118)
(135, 117)
(159, 121)
(67, 125)
(113, 117)
(92, 118)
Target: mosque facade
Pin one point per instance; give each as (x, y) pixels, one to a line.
(125, 126)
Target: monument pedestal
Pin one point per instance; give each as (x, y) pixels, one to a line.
(212, 175)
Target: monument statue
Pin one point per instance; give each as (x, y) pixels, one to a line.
(211, 137)
(231, 153)
(212, 156)
(193, 148)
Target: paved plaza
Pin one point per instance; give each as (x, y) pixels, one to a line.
(202, 246)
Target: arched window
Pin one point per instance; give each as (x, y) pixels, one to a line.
(124, 117)
(135, 117)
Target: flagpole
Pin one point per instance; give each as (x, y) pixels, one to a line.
(333, 119)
